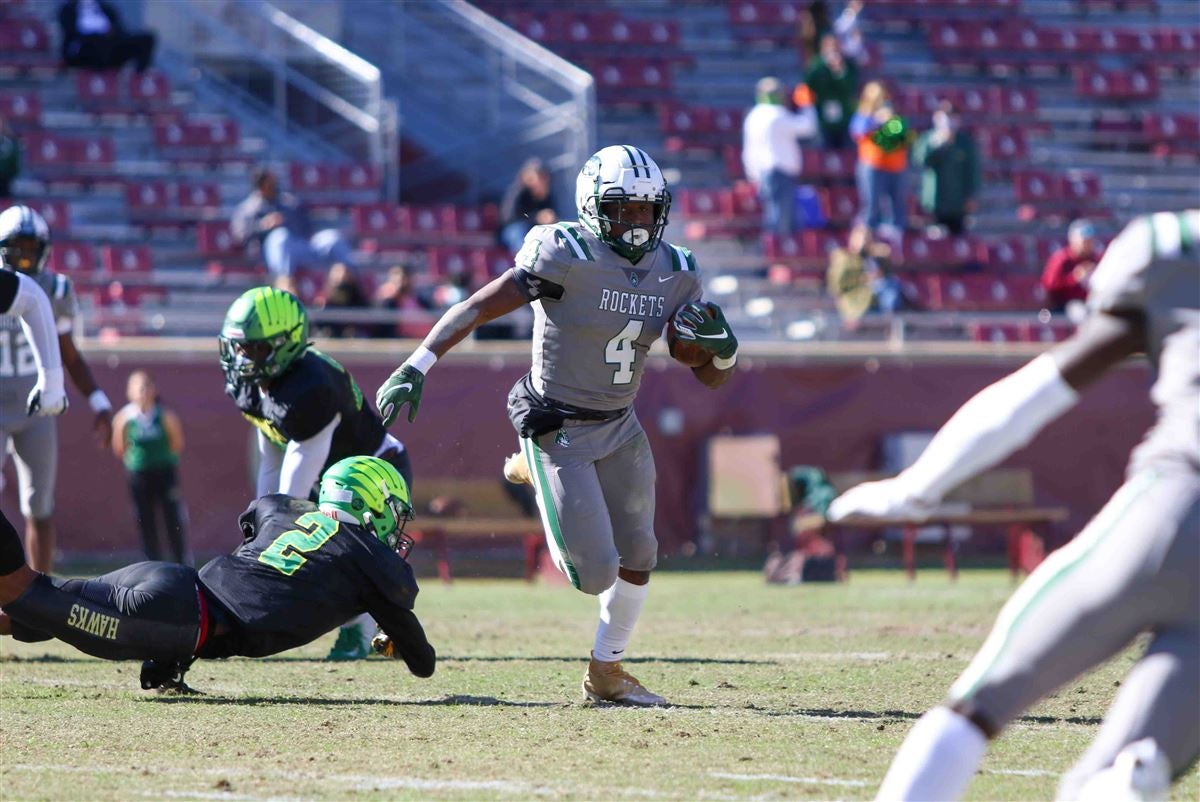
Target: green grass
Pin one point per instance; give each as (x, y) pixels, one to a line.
(781, 693)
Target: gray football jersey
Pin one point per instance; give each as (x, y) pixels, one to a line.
(1153, 267)
(18, 371)
(596, 314)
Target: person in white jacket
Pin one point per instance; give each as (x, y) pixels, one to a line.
(771, 152)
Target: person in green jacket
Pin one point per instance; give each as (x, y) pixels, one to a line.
(149, 439)
(949, 163)
(832, 78)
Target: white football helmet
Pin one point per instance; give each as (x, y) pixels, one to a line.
(612, 177)
(24, 240)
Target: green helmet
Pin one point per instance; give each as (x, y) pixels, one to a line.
(264, 332)
(370, 492)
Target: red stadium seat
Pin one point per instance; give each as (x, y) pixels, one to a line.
(215, 239)
(308, 177)
(94, 152)
(469, 220)
(192, 197)
(126, 259)
(97, 90)
(21, 108)
(444, 261)
(357, 176)
(149, 89)
(24, 35)
(46, 150)
(55, 212)
(375, 219)
(147, 198)
(1006, 254)
(699, 203)
(72, 258)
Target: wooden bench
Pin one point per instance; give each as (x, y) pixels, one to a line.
(1001, 497)
(475, 510)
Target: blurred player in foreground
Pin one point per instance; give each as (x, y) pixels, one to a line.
(602, 290)
(307, 408)
(25, 248)
(302, 570)
(1134, 568)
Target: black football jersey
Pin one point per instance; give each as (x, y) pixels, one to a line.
(299, 574)
(301, 402)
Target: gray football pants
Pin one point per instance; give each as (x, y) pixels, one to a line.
(1134, 568)
(594, 483)
(35, 448)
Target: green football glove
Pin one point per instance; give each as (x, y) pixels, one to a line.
(402, 387)
(704, 324)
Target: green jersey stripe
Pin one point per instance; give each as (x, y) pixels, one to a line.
(549, 512)
(675, 261)
(1186, 240)
(565, 231)
(579, 240)
(1057, 566)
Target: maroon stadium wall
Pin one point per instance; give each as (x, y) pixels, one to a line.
(828, 412)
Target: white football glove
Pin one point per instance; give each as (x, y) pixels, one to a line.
(48, 397)
(887, 498)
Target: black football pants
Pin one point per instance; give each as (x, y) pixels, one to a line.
(146, 611)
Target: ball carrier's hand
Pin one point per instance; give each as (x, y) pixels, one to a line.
(402, 387)
(704, 324)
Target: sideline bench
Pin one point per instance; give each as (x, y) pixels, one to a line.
(472, 510)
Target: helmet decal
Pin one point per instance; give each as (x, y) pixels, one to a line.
(265, 331)
(370, 492)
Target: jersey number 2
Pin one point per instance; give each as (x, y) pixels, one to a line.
(285, 554)
(16, 357)
(619, 351)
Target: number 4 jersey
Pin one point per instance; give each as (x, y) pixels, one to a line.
(596, 314)
(18, 371)
(299, 574)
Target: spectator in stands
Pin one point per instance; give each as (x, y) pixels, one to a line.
(94, 37)
(1065, 277)
(813, 25)
(341, 291)
(529, 201)
(833, 81)
(860, 278)
(398, 291)
(949, 163)
(148, 438)
(883, 138)
(771, 153)
(10, 158)
(278, 224)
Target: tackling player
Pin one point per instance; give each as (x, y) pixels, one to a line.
(1135, 567)
(307, 408)
(602, 290)
(24, 248)
(301, 570)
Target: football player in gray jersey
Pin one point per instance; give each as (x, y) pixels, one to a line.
(24, 248)
(602, 290)
(1134, 568)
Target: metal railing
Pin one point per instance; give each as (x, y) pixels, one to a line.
(475, 96)
(307, 81)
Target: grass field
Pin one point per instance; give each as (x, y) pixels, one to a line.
(780, 693)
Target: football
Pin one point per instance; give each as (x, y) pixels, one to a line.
(684, 351)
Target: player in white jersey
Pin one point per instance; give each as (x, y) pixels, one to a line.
(24, 248)
(1134, 568)
(602, 290)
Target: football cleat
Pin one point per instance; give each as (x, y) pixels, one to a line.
(516, 469)
(610, 682)
(353, 643)
(165, 675)
(1139, 773)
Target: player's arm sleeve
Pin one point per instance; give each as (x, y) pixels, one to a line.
(540, 268)
(303, 460)
(804, 123)
(21, 296)
(409, 642)
(1118, 283)
(270, 462)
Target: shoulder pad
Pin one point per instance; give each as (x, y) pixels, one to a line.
(682, 259)
(569, 240)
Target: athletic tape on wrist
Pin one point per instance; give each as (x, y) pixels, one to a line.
(422, 359)
(99, 402)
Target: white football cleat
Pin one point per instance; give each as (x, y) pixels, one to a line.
(1139, 773)
(516, 469)
(609, 682)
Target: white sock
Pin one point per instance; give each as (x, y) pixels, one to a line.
(620, 607)
(936, 761)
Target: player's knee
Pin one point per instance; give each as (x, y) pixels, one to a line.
(597, 576)
(642, 553)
